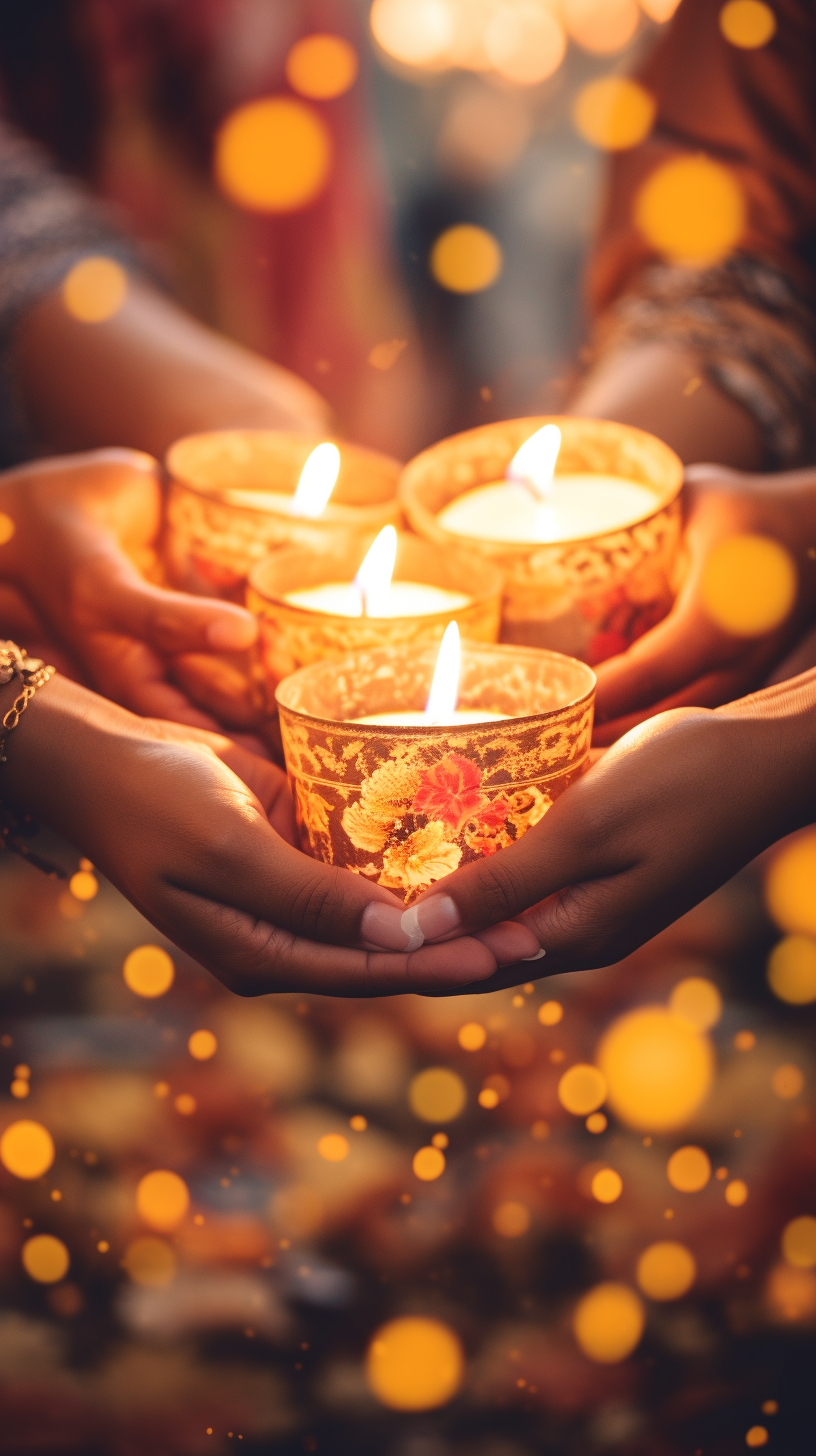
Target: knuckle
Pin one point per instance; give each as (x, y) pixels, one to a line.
(499, 896)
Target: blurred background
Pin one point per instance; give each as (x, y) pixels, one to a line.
(576, 1217)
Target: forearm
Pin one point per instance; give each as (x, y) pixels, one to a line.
(780, 739)
(147, 376)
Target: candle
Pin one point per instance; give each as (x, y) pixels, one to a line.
(374, 593)
(441, 709)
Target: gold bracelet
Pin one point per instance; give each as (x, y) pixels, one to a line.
(32, 673)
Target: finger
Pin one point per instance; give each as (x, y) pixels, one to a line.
(114, 596)
(709, 691)
(133, 675)
(217, 686)
(679, 650)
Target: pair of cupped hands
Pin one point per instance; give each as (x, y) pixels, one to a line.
(197, 829)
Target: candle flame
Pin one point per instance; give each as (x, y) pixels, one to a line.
(374, 577)
(317, 481)
(441, 704)
(533, 464)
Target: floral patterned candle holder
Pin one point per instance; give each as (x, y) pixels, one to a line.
(405, 806)
(589, 596)
(294, 636)
(228, 504)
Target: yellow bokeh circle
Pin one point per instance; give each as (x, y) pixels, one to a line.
(691, 210)
(162, 1199)
(697, 1000)
(748, 24)
(83, 885)
(748, 585)
(524, 43)
(428, 1164)
(7, 528)
(756, 1436)
(614, 113)
(666, 1270)
(789, 886)
(736, 1193)
(787, 1081)
(273, 155)
(322, 66)
(437, 1095)
(601, 27)
(333, 1147)
(608, 1323)
(466, 259)
(606, 1186)
(511, 1219)
(26, 1149)
(151, 1262)
(148, 971)
(414, 1364)
(689, 1169)
(550, 1013)
(413, 32)
(799, 1242)
(45, 1258)
(792, 970)
(582, 1089)
(657, 1066)
(472, 1036)
(94, 290)
(202, 1045)
(596, 1122)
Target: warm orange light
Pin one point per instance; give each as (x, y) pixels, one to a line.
(94, 290)
(692, 210)
(428, 1164)
(659, 10)
(608, 1323)
(273, 155)
(550, 1013)
(697, 1000)
(149, 971)
(83, 885)
(151, 1262)
(787, 1081)
(414, 1364)
(799, 1242)
(756, 1435)
(791, 1292)
(524, 43)
(748, 585)
(202, 1045)
(789, 886)
(162, 1199)
(614, 113)
(333, 1147)
(437, 1095)
(465, 259)
(689, 1169)
(606, 1185)
(488, 1098)
(374, 576)
(511, 1219)
(596, 1122)
(7, 528)
(581, 1089)
(322, 66)
(747, 24)
(317, 481)
(414, 32)
(792, 970)
(45, 1258)
(358, 1123)
(441, 704)
(601, 26)
(657, 1066)
(185, 1104)
(533, 464)
(666, 1270)
(736, 1193)
(26, 1149)
(472, 1036)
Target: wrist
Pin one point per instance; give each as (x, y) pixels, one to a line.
(778, 725)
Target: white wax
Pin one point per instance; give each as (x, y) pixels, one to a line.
(405, 599)
(278, 501)
(417, 719)
(579, 505)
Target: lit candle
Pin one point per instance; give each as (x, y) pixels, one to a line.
(374, 593)
(440, 710)
(312, 492)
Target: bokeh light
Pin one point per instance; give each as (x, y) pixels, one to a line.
(596, 1122)
(745, 1040)
(748, 585)
(608, 1322)
(525, 42)
(333, 1147)
(273, 155)
(151, 1262)
(148, 971)
(511, 1219)
(162, 1199)
(581, 1089)
(413, 32)
(185, 1104)
(747, 24)
(691, 210)
(799, 1242)
(7, 528)
(550, 1013)
(83, 885)
(472, 1036)
(666, 1270)
(465, 259)
(94, 290)
(792, 970)
(202, 1045)
(657, 1066)
(45, 1258)
(606, 1185)
(697, 1000)
(756, 1436)
(791, 1292)
(437, 1095)
(789, 886)
(414, 1364)
(787, 1081)
(736, 1193)
(428, 1164)
(601, 27)
(322, 66)
(689, 1169)
(659, 10)
(26, 1149)
(614, 113)
(488, 1098)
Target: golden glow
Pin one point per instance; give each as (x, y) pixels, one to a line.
(317, 481)
(787, 1081)
(414, 1364)
(736, 1193)
(581, 1089)
(185, 1104)
(297, 1210)
(273, 155)
(659, 10)
(533, 464)
(756, 1435)
(596, 1122)
(691, 210)
(792, 970)
(698, 1001)
(472, 1036)
(608, 1323)
(149, 971)
(789, 886)
(606, 1185)
(322, 66)
(428, 1164)
(333, 1147)
(799, 1242)
(162, 1199)
(511, 1219)
(83, 885)
(689, 1169)
(601, 26)
(151, 1262)
(358, 1123)
(441, 704)
(524, 43)
(7, 528)
(791, 1292)
(414, 32)
(657, 1066)
(550, 1013)
(437, 1095)
(202, 1045)
(747, 24)
(748, 585)
(465, 259)
(744, 1041)
(440, 1139)
(614, 113)
(376, 570)
(45, 1258)
(26, 1149)
(666, 1270)
(488, 1097)
(384, 355)
(19, 1087)
(94, 290)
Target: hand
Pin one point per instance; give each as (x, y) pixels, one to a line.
(83, 526)
(197, 833)
(687, 659)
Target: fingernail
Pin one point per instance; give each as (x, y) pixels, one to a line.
(536, 957)
(380, 925)
(430, 919)
(232, 633)
(508, 941)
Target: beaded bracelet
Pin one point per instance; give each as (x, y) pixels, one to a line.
(32, 672)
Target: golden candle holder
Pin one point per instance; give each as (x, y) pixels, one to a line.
(406, 806)
(590, 596)
(293, 636)
(222, 516)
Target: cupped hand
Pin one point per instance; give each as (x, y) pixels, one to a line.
(84, 525)
(687, 659)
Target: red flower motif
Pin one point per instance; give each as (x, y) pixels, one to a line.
(450, 791)
(493, 815)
